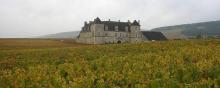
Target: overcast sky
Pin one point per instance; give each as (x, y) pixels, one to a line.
(25, 18)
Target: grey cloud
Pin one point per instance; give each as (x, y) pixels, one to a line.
(23, 18)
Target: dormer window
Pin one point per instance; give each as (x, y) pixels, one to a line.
(126, 28)
(106, 28)
(116, 28)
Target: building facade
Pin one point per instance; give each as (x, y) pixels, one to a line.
(108, 32)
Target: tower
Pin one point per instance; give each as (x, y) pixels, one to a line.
(97, 29)
(135, 34)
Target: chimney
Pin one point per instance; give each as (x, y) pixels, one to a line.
(118, 20)
(129, 21)
(85, 23)
(139, 21)
(109, 20)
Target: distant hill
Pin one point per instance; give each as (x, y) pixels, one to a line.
(72, 34)
(209, 29)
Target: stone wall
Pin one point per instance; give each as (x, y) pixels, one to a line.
(85, 37)
(98, 31)
(135, 34)
(116, 37)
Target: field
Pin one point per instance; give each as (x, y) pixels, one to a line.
(62, 63)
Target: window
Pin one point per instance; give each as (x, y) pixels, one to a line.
(115, 34)
(106, 28)
(120, 35)
(106, 34)
(126, 28)
(137, 29)
(116, 28)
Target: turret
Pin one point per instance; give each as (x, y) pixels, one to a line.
(97, 30)
(85, 23)
(135, 23)
(135, 33)
(97, 20)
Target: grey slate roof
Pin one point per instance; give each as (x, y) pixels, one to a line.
(97, 20)
(111, 25)
(121, 25)
(86, 28)
(135, 23)
(153, 35)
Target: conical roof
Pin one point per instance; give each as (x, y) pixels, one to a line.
(97, 20)
(135, 23)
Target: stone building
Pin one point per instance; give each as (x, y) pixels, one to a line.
(107, 32)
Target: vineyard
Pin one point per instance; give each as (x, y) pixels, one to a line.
(60, 64)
